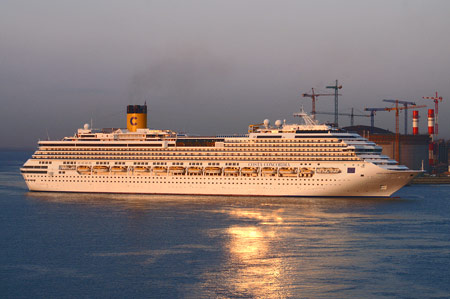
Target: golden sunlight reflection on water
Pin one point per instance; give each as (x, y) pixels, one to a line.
(285, 252)
(256, 269)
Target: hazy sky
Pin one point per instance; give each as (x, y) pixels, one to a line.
(213, 67)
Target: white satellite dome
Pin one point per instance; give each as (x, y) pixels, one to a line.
(86, 126)
(278, 123)
(266, 123)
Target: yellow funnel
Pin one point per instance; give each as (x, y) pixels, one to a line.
(136, 117)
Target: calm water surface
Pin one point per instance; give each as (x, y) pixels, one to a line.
(84, 245)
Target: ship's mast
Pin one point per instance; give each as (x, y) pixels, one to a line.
(309, 121)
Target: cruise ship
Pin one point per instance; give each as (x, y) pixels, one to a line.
(306, 159)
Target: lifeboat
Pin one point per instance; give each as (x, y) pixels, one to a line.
(100, 169)
(176, 170)
(288, 171)
(116, 170)
(213, 170)
(84, 169)
(194, 170)
(159, 170)
(306, 172)
(141, 170)
(231, 171)
(249, 171)
(269, 171)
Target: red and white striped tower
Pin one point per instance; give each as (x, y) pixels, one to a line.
(436, 100)
(431, 123)
(431, 133)
(415, 122)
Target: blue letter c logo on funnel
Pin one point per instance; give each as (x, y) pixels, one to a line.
(133, 121)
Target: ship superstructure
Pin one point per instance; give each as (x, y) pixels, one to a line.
(307, 159)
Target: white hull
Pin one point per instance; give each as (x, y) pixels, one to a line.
(369, 181)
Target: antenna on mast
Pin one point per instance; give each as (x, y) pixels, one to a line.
(306, 118)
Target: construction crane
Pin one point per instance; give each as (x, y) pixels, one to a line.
(313, 97)
(352, 115)
(405, 105)
(336, 110)
(436, 100)
(372, 115)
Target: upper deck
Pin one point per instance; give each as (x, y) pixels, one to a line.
(309, 141)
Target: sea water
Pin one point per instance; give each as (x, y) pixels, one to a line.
(122, 246)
